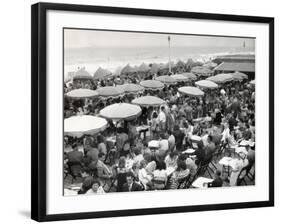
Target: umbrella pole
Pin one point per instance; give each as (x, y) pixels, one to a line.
(169, 39)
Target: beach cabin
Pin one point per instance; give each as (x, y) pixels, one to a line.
(230, 67)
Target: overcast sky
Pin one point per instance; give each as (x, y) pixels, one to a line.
(92, 38)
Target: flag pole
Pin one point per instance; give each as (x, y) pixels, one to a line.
(169, 39)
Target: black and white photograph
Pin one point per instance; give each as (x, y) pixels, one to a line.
(147, 111)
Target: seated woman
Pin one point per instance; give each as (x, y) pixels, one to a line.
(200, 153)
(101, 171)
(87, 184)
(121, 173)
(179, 175)
(238, 165)
(190, 164)
(143, 176)
(138, 157)
(101, 147)
(171, 159)
(160, 176)
(96, 188)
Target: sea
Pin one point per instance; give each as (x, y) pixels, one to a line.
(114, 58)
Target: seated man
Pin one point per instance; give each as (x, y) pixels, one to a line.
(130, 184)
(75, 159)
(100, 170)
(210, 148)
(217, 182)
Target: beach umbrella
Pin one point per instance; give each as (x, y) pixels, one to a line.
(180, 78)
(188, 64)
(166, 79)
(121, 111)
(82, 74)
(143, 68)
(117, 71)
(67, 79)
(77, 126)
(239, 76)
(101, 73)
(128, 69)
(154, 68)
(189, 75)
(82, 93)
(206, 84)
(110, 91)
(210, 64)
(201, 71)
(180, 64)
(221, 78)
(191, 91)
(131, 88)
(167, 65)
(152, 84)
(146, 101)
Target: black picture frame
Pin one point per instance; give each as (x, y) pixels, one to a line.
(38, 108)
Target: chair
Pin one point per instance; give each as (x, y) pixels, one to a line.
(205, 167)
(70, 171)
(111, 154)
(183, 183)
(218, 154)
(241, 177)
(245, 173)
(193, 178)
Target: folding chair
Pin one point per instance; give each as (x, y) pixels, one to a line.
(183, 183)
(205, 167)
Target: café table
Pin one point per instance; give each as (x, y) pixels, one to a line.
(200, 182)
(143, 129)
(111, 141)
(189, 151)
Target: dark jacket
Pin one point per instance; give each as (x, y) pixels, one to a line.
(216, 183)
(135, 187)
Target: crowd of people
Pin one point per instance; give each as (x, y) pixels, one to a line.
(123, 158)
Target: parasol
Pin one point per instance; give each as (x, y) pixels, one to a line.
(221, 78)
(148, 101)
(152, 84)
(206, 84)
(191, 91)
(82, 74)
(201, 71)
(189, 75)
(110, 91)
(101, 73)
(128, 69)
(82, 93)
(179, 78)
(131, 88)
(143, 68)
(77, 126)
(239, 76)
(154, 68)
(165, 79)
(121, 111)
